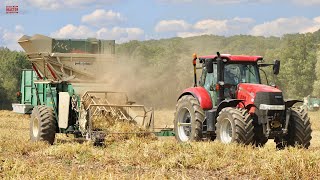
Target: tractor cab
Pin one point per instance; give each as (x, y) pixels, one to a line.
(223, 75)
(234, 73)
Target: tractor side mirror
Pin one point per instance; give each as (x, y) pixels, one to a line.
(209, 65)
(276, 67)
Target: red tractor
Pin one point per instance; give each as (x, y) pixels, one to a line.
(231, 105)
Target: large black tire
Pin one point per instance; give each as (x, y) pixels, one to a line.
(234, 125)
(299, 130)
(259, 139)
(188, 110)
(43, 124)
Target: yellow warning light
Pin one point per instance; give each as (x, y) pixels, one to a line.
(194, 55)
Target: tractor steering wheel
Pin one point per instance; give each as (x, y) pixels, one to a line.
(231, 89)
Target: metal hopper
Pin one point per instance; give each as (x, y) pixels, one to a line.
(72, 60)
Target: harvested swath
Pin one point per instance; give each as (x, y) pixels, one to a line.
(127, 130)
(120, 130)
(102, 123)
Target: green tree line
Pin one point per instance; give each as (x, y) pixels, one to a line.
(11, 64)
(165, 69)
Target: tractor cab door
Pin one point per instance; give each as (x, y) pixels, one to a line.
(232, 77)
(208, 81)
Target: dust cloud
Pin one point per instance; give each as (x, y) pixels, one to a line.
(153, 84)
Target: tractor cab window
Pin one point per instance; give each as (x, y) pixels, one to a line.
(208, 80)
(211, 78)
(232, 74)
(203, 76)
(241, 73)
(238, 73)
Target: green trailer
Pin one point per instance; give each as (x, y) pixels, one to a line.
(33, 92)
(311, 103)
(63, 93)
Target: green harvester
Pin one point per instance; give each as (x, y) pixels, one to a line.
(64, 91)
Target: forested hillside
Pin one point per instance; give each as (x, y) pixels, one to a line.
(170, 61)
(158, 70)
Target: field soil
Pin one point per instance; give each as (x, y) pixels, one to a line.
(148, 158)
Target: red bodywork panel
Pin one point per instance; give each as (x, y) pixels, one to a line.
(202, 95)
(234, 58)
(247, 92)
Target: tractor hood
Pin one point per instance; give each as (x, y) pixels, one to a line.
(252, 92)
(254, 88)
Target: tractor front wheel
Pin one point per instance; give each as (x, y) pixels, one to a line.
(43, 124)
(188, 119)
(299, 130)
(234, 125)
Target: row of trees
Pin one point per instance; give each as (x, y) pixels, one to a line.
(158, 70)
(11, 63)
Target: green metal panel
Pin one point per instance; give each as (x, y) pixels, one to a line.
(50, 96)
(92, 46)
(41, 93)
(71, 46)
(26, 86)
(165, 132)
(40, 88)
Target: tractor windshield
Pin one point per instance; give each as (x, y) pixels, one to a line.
(241, 73)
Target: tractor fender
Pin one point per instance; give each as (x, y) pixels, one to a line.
(290, 103)
(228, 103)
(201, 94)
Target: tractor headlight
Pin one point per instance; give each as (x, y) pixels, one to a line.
(271, 107)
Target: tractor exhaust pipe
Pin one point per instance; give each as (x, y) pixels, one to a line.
(220, 78)
(194, 62)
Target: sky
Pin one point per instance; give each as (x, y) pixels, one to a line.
(125, 20)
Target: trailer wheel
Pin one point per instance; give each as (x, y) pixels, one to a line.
(188, 119)
(234, 125)
(299, 130)
(43, 124)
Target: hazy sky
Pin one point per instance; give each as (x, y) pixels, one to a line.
(125, 20)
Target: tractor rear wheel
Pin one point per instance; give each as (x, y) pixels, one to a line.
(234, 125)
(299, 130)
(188, 119)
(43, 124)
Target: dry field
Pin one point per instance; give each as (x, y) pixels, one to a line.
(147, 158)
